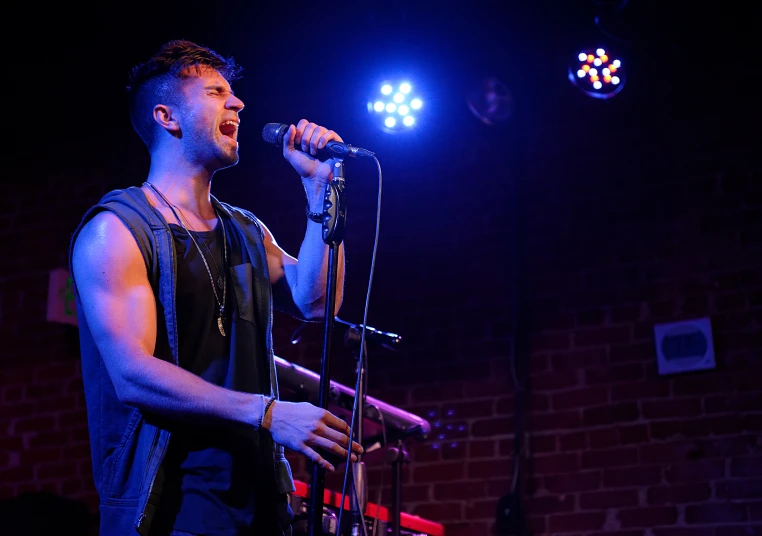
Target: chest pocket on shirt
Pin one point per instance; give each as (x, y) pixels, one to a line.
(243, 282)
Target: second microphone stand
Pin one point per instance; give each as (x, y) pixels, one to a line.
(359, 490)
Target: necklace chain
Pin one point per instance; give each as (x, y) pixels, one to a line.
(186, 225)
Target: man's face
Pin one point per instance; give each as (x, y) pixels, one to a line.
(209, 119)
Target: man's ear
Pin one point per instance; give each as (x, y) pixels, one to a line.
(162, 114)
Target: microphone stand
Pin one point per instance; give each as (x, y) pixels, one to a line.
(358, 492)
(334, 221)
(398, 457)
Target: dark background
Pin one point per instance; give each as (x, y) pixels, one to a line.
(594, 219)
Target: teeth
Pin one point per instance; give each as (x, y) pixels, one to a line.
(231, 123)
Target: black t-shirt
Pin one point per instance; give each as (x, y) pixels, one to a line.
(210, 481)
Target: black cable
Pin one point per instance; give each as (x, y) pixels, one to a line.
(361, 360)
(381, 484)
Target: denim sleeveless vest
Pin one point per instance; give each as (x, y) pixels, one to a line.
(127, 448)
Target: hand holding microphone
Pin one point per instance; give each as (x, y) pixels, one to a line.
(275, 132)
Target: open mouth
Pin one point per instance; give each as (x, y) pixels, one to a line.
(229, 129)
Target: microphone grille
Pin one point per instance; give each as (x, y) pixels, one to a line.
(273, 133)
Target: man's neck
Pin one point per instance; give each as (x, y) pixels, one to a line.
(189, 197)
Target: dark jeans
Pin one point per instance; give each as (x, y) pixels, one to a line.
(285, 517)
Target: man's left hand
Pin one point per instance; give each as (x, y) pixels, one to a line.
(310, 138)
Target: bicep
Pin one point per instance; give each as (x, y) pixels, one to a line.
(115, 295)
(282, 270)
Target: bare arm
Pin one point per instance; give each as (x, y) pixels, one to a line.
(299, 284)
(120, 309)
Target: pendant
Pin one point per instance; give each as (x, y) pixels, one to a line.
(219, 325)
(219, 282)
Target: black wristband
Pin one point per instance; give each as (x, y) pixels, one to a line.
(317, 217)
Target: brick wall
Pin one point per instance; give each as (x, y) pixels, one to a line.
(652, 225)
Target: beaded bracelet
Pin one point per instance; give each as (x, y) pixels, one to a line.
(317, 217)
(267, 408)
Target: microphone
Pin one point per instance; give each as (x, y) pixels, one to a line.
(274, 132)
(390, 341)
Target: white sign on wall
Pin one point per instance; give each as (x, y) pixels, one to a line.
(684, 346)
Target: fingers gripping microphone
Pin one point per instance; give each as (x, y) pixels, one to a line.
(274, 133)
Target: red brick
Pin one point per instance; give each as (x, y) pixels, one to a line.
(682, 531)
(695, 471)
(739, 530)
(481, 448)
(539, 402)
(614, 374)
(480, 388)
(551, 341)
(579, 359)
(569, 483)
(733, 402)
(439, 511)
(634, 434)
(540, 363)
(668, 452)
(543, 444)
(577, 398)
(708, 383)
(562, 523)
(453, 450)
(611, 414)
(603, 500)
(491, 427)
(679, 428)
(505, 405)
(498, 487)
(558, 420)
(726, 424)
(441, 472)
(620, 457)
(553, 381)
(642, 390)
(715, 513)
(550, 504)
(632, 476)
(34, 424)
(535, 524)
(56, 470)
(632, 352)
(438, 392)
(648, 516)
(593, 317)
(555, 463)
(11, 394)
(466, 528)
(465, 491)
(480, 509)
(488, 470)
(603, 335)
(742, 488)
(672, 409)
(678, 493)
(746, 466)
(40, 455)
(603, 438)
(467, 409)
(573, 441)
(625, 313)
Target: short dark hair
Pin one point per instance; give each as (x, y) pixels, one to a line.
(155, 80)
